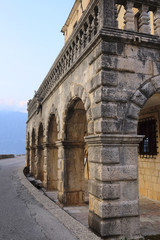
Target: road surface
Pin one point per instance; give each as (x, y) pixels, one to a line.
(21, 216)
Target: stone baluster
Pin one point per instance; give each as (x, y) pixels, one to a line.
(80, 41)
(96, 20)
(76, 47)
(73, 51)
(90, 28)
(129, 17)
(157, 22)
(85, 29)
(144, 26)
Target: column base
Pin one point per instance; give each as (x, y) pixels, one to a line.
(115, 228)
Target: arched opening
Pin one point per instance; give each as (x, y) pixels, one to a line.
(77, 168)
(149, 166)
(33, 154)
(40, 164)
(52, 161)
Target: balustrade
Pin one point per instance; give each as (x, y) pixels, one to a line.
(100, 14)
(137, 16)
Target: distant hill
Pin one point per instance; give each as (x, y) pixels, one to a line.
(12, 132)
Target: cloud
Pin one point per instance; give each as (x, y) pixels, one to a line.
(1, 101)
(13, 105)
(23, 103)
(11, 102)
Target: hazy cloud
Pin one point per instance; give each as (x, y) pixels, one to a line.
(13, 105)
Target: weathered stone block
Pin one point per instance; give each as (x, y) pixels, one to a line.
(129, 190)
(110, 209)
(139, 98)
(97, 95)
(105, 78)
(130, 126)
(92, 170)
(104, 227)
(156, 82)
(105, 110)
(109, 78)
(60, 164)
(104, 154)
(156, 68)
(109, 48)
(133, 111)
(90, 127)
(60, 175)
(125, 64)
(95, 82)
(116, 173)
(129, 155)
(108, 126)
(130, 227)
(103, 190)
(114, 94)
(60, 152)
(148, 89)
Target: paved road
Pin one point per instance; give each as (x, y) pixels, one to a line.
(21, 216)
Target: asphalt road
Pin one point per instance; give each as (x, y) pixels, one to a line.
(21, 216)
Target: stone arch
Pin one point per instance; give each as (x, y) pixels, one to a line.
(33, 153)
(52, 153)
(138, 100)
(76, 154)
(143, 111)
(77, 92)
(53, 111)
(40, 163)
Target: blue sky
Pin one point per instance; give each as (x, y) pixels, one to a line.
(30, 40)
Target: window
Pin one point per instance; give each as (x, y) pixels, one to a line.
(148, 147)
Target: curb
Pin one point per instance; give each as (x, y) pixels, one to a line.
(75, 227)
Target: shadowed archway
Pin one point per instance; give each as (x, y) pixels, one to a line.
(52, 160)
(76, 167)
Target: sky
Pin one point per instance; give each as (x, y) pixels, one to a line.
(30, 41)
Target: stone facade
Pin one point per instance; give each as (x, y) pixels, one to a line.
(87, 110)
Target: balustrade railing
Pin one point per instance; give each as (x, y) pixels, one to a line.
(99, 14)
(84, 32)
(140, 16)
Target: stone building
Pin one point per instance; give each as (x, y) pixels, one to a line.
(94, 121)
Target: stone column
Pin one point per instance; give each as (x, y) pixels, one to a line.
(61, 170)
(36, 162)
(144, 26)
(27, 157)
(113, 185)
(129, 17)
(31, 164)
(157, 22)
(46, 153)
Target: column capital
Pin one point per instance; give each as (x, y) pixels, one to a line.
(101, 139)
